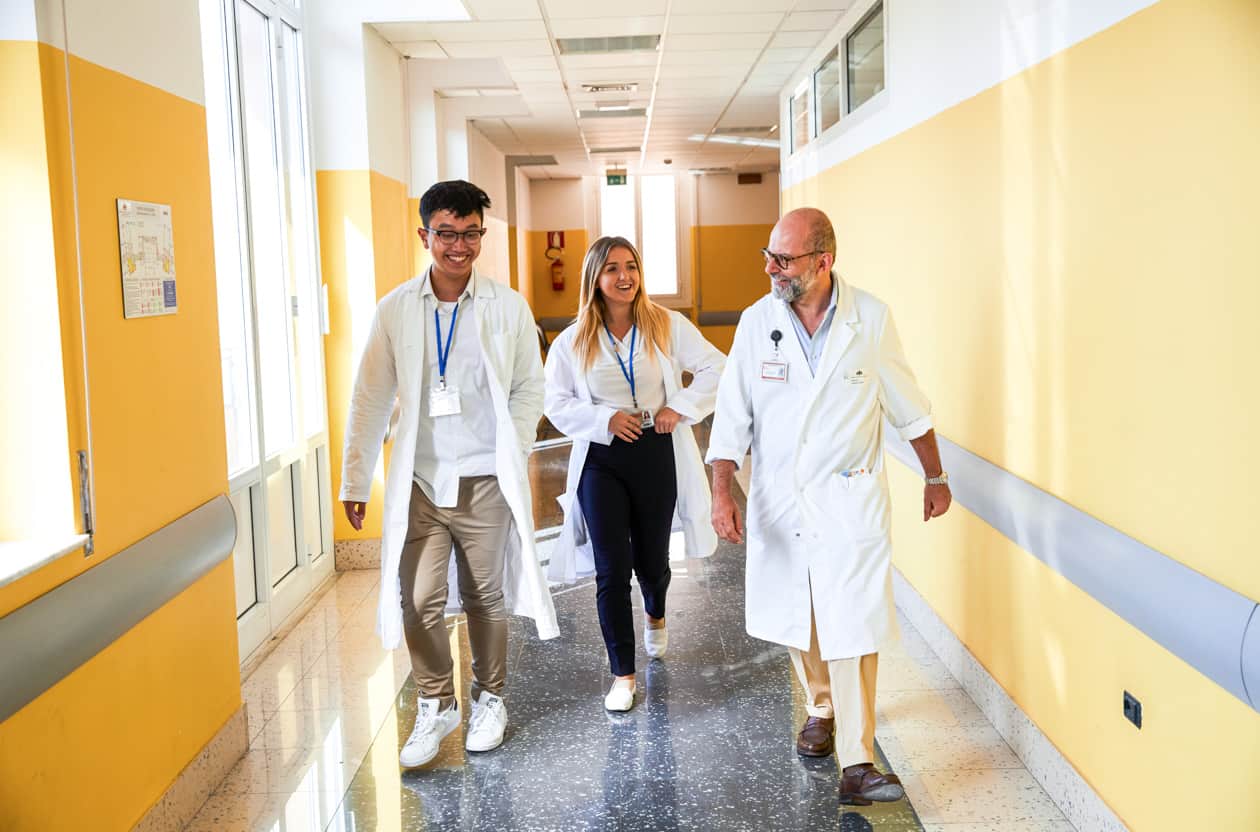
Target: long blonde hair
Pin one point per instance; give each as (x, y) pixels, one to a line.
(652, 319)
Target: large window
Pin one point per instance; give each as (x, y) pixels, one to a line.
(864, 49)
(269, 290)
(801, 132)
(645, 211)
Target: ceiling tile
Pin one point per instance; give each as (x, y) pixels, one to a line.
(602, 27)
(560, 9)
(795, 54)
(805, 21)
(464, 30)
(497, 49)
(808, 39)
(502, 9)
(532, 62)
(686, 58)
(609, 60)
(729, 40)
(717, 24)
(722, 7)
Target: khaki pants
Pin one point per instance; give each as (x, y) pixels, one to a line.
(477, 529)
(844, 690)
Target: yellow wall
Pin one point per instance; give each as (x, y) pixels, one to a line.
(727, 271)
(1077, 301)
(162, 690)
(547, 302)
(368, 247)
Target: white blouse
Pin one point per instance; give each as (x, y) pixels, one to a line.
(608, 384)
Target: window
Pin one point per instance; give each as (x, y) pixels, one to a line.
(827, 90)
(800, 116)
(864, 49)
(267, 277)
(645, 212)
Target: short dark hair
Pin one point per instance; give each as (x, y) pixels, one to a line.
(463, 199)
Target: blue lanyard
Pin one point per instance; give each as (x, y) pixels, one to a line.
(629, 375)
(444, 354)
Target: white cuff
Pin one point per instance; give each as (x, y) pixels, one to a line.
(916, 428)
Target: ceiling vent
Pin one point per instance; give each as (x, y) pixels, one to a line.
(623, 86)
(698, 171)
(527, 161)
(605, 46)
(742, 131)
(629, 112)
(615, 149)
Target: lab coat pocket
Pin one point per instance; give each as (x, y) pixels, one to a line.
(861, 503)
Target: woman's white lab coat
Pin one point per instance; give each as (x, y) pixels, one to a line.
(569, 407)
(818, 523)
(392, 364)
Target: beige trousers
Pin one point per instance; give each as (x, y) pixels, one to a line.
(843, 690)
(477, 528)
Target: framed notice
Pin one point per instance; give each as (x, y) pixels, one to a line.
(147, 253)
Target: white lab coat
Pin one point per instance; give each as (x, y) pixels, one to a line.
(392, 365)
(569, 407)
(817, 538)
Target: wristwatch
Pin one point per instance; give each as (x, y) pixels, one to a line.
(943, 479)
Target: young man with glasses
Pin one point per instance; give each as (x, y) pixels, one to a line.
(815, 369)
(459, 353)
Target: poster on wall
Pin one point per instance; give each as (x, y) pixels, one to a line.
(147, 248)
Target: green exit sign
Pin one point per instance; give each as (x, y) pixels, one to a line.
(616, 178)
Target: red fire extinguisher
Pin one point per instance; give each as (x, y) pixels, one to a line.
(557, 275)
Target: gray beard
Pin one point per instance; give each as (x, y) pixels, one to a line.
(791, 293)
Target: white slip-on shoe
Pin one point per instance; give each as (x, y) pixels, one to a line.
(487, 723)
(431, 726)
(655, 641)
(620, 696)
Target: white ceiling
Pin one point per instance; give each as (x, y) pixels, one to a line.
(721, 64)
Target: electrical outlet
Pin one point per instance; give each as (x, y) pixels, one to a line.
(1132, 709)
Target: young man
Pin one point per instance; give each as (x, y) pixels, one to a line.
(460, 353)
(815, 369)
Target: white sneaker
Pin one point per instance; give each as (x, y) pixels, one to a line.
(655, 641)
(487, 723)
(620, 696)
(431, 727)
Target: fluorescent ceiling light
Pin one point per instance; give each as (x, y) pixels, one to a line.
(746, 141)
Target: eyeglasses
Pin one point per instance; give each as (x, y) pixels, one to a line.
(471, 237)
(782, 260)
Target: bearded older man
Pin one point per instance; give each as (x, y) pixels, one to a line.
(815, 368)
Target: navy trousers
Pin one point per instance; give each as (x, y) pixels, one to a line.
(627, 493)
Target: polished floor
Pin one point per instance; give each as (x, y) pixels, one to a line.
(708, 746)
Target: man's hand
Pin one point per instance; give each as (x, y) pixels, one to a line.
(726, 520)
(936, 500)
(625, 427)
(355, 512)
(666, 420)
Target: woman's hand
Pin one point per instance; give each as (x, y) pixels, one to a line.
(625, 426)
(667, 419)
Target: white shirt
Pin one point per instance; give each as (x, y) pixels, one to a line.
(610, 387)
(462, 444)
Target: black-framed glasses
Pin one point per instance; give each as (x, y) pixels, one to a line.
(782, 260)
(471, 237)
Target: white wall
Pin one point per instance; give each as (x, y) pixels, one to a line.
(557, 204)
(721, 200)
(937, 55)
(385, 78)
(486, 170)
(165, 53)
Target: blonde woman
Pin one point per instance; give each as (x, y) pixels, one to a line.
(614, 385)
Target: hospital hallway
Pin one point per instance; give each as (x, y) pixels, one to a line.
(709, 744)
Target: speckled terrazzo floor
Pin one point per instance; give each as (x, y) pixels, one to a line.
(708, 746)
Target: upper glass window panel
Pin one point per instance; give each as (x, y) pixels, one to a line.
(827, 90)
(864, 49)
(800, 118)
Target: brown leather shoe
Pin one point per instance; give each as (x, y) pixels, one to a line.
(815, 739)
(862, 784)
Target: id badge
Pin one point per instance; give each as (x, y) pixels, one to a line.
(774, 371)
(646, 419)
(443, 401)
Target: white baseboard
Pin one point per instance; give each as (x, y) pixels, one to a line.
(1079, 803)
